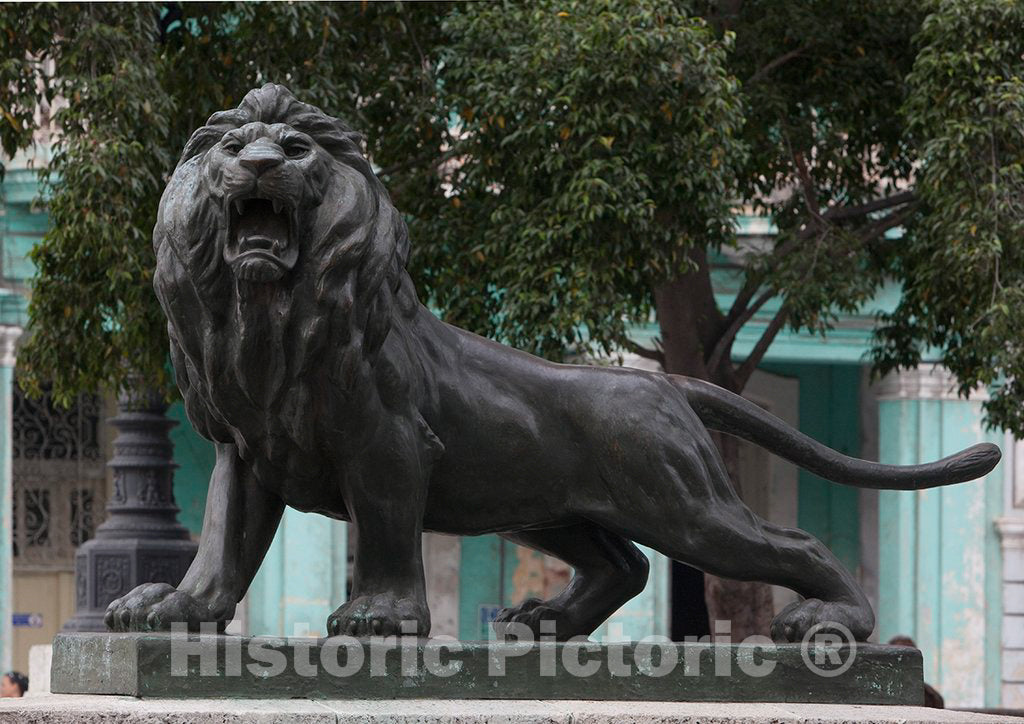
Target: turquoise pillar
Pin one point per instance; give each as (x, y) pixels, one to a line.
(939, 557)
(302, 579)
(481, 585)
(8, 338)
(195, 457)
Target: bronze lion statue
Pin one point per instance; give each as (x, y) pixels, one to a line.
(302, 351)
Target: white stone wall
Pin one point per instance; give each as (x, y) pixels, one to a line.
(1011, 536)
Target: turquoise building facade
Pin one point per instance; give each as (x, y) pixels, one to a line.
(944, 566)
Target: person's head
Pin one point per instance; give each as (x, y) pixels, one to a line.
(13, 684)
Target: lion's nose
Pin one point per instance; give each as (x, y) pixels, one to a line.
(259, 158)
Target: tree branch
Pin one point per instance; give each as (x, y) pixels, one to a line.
(739, 304)
(405, 165)
(742, 310)
(772, 65)
(842, 213)
(734, 327)
(873, 231)
(891, 221)
(640, 351)
(752, 283)
(757, 354)
(807, 187)
(410, 27)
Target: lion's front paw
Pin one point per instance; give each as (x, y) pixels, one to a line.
(799, 617)
(155, 606)
(380, 614)
(531, 613)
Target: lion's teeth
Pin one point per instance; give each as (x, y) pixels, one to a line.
(277, 206)
(239, 206)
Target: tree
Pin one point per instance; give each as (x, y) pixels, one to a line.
(604, 146)
(962, 260)
(596, 144)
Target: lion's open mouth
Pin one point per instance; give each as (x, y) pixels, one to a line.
(260, 245)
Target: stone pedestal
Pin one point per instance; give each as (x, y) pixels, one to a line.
(141, 541)
(216, 666)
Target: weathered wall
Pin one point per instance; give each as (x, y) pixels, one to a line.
(939, 568)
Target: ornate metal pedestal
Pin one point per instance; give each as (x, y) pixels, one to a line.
(141, 541)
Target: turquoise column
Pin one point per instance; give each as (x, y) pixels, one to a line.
(939, 561)
(8, 338)
(303, 577)
(481, 585)
(195, 457)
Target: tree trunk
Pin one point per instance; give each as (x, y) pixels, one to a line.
(691, 324)
(746, 604)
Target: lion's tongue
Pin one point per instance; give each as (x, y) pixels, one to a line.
(260, 221)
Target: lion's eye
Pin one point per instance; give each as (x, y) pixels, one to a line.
(231, 146)
(296, 149)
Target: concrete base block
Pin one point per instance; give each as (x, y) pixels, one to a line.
(212, 666)
(77, 709)
(40, 657)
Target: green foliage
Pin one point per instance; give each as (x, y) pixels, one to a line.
(962, 262)
(823, 82)
(94, 265)
(596, 141)
(561, 161)
(127, 99)
(22, 34)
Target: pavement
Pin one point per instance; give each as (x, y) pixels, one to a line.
(89, 709)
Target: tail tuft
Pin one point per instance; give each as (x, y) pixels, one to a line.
(975, 461)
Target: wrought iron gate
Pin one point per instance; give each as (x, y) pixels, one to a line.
(59, 476)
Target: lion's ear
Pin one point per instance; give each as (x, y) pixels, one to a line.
(204, 138)
(201, 141)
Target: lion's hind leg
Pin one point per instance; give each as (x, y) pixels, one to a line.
(682, 504)
(787, 557)
(609, 570)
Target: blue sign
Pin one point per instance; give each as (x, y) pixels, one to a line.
(488, 612)
(28, 620)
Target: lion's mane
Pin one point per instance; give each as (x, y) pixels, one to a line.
(325, 325)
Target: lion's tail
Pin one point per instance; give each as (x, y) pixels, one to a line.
(723, 411)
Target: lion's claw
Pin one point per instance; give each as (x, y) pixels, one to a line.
(382, 614)
(532, 613)
(155, 606)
